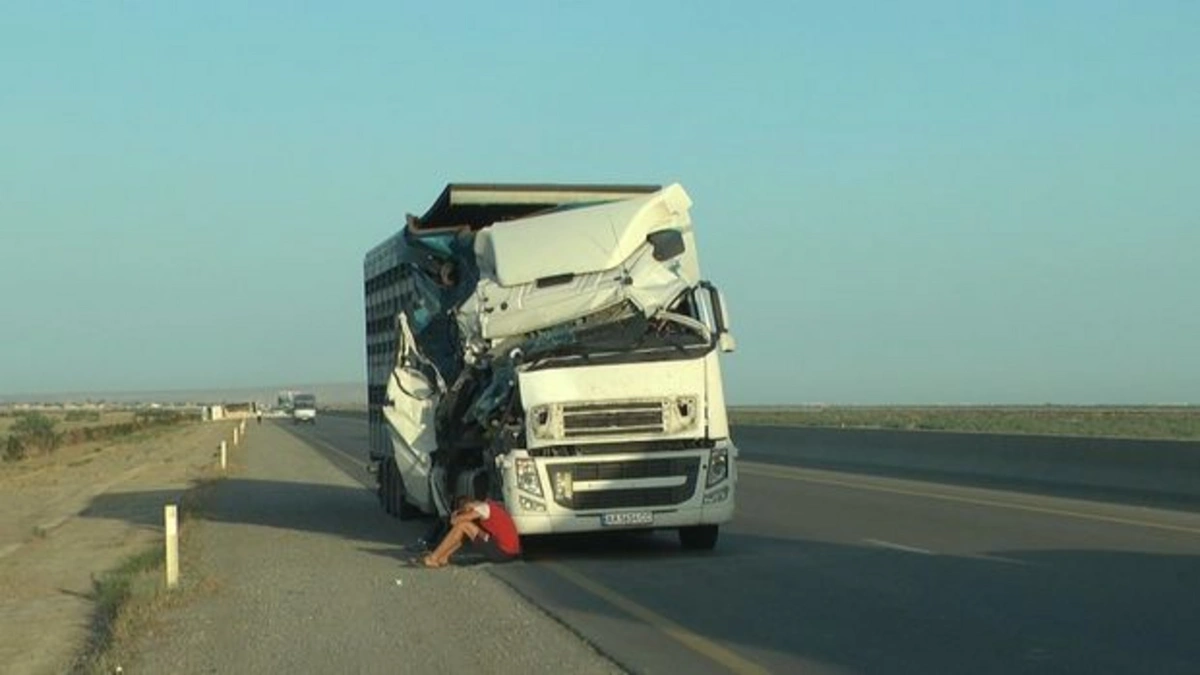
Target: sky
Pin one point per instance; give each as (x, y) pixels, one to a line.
(919, 202)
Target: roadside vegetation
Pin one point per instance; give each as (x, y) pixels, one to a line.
(26, 434)
(124, 597)
(1151, 422)
(129, 598)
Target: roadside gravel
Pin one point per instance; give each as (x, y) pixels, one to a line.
(307, 574)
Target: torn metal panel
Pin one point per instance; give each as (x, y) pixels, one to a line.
(496, 311)
(413, 394)
(586, 238)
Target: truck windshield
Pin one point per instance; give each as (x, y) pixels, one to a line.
(305, 402)
(620, 335)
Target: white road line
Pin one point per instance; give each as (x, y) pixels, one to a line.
(899, 547)
(781, 472)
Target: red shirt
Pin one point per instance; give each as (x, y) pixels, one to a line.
(499, 526)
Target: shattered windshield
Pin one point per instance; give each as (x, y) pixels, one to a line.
(621, 330)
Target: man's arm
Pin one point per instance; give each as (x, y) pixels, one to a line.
(467, 513)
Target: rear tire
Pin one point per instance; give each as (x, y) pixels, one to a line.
(392, 493)
(698, 537)
(386, 487)
(407, 511)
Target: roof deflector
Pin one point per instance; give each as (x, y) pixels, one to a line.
(478, 205)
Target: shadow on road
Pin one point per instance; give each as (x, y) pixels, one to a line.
(860, 608)
(342, 511)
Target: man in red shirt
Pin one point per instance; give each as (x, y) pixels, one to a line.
(487, 526)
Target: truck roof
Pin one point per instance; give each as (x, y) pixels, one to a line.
(478, 205)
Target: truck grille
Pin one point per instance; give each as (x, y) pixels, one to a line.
(586, 420)
(687, 467)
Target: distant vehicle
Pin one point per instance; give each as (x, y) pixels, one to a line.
(304, 409)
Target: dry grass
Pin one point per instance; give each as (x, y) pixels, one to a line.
(66, 421)
(129, 599)
(1177, 423)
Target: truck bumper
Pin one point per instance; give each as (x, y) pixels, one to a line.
(664, 518)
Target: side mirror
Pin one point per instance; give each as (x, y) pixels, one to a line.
(667, 244)
(720, 317)
(726, 343)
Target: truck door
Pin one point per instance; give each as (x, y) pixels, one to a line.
(413, 392)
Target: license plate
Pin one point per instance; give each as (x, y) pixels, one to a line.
(625, 519)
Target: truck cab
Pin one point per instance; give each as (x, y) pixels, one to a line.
(560, 343)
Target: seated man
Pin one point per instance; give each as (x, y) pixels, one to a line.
(486, 525)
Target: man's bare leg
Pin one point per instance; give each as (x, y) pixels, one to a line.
(454, 539)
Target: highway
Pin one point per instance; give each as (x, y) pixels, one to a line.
(833, 572)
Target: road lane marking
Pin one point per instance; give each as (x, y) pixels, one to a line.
(696, 643)
(899, 547)
(791, 473)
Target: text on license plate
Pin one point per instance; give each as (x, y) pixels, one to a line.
(632, 518)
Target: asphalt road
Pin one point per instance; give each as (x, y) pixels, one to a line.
(833, 572)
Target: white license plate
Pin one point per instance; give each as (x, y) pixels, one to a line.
(624, 519)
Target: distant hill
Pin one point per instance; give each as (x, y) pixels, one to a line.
(327, 393)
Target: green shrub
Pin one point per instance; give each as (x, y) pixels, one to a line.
(35, 430)
(14, 449)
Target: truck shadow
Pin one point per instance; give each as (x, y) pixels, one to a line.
(349, 512)
(794, 603)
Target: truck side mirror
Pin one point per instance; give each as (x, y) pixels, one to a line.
(727, 343)
(720, 317)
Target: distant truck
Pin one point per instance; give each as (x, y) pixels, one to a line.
(556, 347)
(304, 408)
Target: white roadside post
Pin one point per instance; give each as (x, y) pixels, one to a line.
(235, 436)
(224, 455)
(170, 515)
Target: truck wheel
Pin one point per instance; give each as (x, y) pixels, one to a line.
(407, 511)
(698, 537)
(393, 494)
(387, 486)
(400, 506)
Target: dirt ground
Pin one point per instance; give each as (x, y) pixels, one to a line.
(68, 517)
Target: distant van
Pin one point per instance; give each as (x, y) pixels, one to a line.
(304, 409)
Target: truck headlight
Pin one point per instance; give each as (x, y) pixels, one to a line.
(718, 466)
(717, 495)
(527, 476)
(528, 504)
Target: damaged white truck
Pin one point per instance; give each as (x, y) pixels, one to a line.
(554, 347)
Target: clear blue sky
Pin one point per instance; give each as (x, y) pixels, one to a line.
(905, 202)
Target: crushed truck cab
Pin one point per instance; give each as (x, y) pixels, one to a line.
(557, 347)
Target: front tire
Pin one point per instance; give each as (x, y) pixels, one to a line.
(698, 537)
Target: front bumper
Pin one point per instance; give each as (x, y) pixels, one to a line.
(543, 514)
(557, 523)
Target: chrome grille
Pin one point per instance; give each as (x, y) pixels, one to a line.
(584, 420)
(687, 467)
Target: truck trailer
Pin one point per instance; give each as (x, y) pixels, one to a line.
(554, 347)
